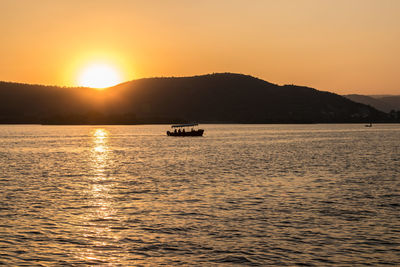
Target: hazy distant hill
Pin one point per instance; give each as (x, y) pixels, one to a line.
(223, 97)
(383, 103)
(394, 101)
(373, 102)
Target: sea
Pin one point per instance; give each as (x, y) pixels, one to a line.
(241, 195)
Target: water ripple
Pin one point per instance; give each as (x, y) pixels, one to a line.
(254, 195)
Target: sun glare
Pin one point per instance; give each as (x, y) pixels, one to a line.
(99, 76)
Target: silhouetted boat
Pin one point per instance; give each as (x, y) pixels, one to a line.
(184, 132)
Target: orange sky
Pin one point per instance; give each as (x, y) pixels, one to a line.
(343, 46)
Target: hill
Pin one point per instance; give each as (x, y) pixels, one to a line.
(222, 97)
(382, 103)
(394, 101)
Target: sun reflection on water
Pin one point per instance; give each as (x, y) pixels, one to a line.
(100, 161)
(101, 212)
(100, 151)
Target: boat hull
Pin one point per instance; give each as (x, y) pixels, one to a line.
(191, 133)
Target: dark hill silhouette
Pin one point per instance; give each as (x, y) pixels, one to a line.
(24, 103)
(223, 97)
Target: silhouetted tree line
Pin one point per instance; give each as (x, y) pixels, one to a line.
(97, 118)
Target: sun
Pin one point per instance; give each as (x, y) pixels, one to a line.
(99, 75)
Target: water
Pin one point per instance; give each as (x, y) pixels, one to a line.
(242, 194)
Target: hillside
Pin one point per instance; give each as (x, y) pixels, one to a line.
(394, 101)
(382, 103)
(223, 97)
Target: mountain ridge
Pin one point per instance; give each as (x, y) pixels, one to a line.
(385, 103)
(217, 97)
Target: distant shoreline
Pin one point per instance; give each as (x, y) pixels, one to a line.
(213, 98)
(212, 123)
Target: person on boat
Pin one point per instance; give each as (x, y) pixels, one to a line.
(175, 131)
(179, 131)
(183, 131)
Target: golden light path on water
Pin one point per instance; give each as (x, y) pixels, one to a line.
(99, 196)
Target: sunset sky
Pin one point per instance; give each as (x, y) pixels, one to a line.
(343, 46)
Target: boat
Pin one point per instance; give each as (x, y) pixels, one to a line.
(185, 130)
(368, 125)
